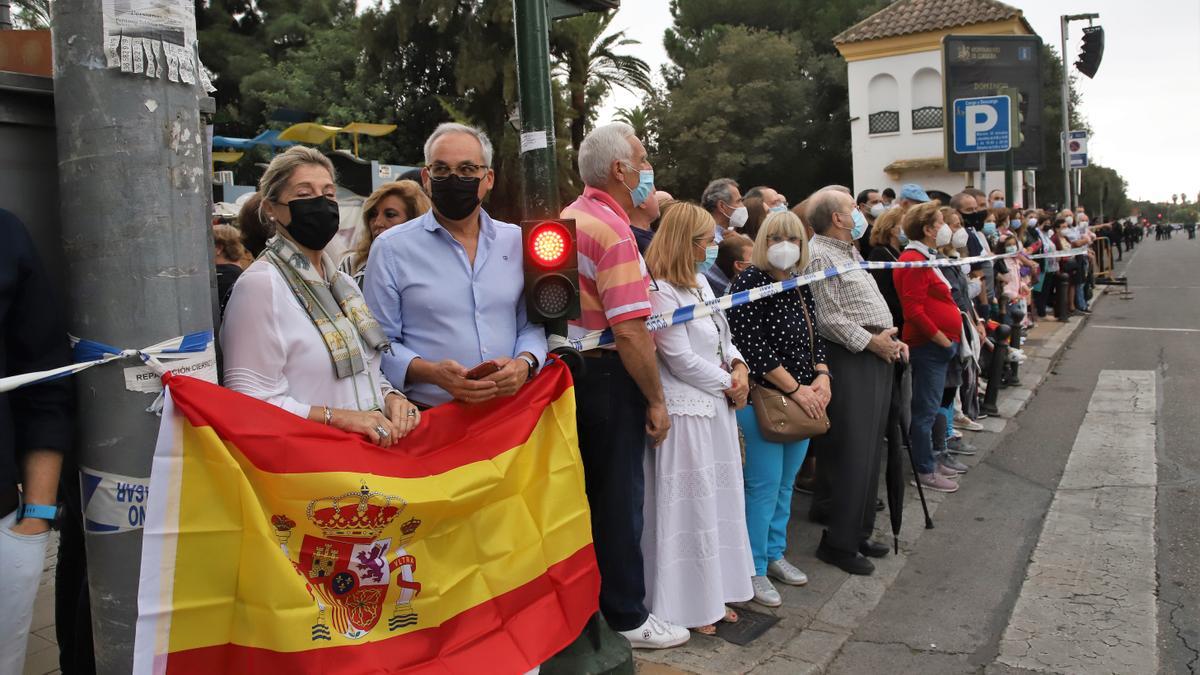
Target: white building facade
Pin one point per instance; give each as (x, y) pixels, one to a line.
(896, 94)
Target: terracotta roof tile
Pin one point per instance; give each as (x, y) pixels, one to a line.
(906, 17)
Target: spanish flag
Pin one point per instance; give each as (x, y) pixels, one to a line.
(278, 545)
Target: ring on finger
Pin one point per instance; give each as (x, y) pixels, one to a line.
(383, 433)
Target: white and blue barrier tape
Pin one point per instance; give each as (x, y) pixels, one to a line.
(658, 322)
(88, 353)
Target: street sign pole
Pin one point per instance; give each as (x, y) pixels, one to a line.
(983, 172)
(1064, 20)
(1066, 115)
(1008, 179)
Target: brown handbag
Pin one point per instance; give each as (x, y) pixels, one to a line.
(780, 419)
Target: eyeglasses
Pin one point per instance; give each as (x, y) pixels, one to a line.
(440, 171)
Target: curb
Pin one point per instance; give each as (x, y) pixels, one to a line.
(814, 646)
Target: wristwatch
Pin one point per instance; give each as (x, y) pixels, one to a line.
(826, 373)
(533, 364)
(45, 512)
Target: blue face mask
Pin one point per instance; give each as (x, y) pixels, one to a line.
(778, 208)
(710, 257)
(989, 229)
(1011, 249)
(645, 187)
(902, 237)
(860, 224)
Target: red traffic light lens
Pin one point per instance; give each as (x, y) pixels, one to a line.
(550, 245)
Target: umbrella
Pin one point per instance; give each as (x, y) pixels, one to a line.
(897, 440)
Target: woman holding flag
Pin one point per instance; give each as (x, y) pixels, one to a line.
(297, 332)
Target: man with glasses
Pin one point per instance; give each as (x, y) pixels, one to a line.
(856, 323)
(448, 287)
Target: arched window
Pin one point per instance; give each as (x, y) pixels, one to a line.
(883, 103)
(927, 99)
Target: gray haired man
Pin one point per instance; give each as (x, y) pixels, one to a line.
(723, 199)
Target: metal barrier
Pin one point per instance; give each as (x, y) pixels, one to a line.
(1103, 255)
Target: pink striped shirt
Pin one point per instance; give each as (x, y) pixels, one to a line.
(613, 283)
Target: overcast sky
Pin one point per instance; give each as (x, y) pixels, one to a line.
(1145, 96)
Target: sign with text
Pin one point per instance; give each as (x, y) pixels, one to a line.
(983, 66)
(981, 125)
(1077, 142)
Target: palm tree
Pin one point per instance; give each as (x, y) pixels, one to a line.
(636, 117)
(1174, 199)
(591, 64)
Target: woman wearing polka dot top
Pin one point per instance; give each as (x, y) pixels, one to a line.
(779, 342)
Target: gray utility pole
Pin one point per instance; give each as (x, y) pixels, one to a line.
(1065, 155)
(137, 245)
(5, 16)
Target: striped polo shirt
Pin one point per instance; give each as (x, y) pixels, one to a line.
(613, 283)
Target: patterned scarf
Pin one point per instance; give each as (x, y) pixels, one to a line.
(336, 307)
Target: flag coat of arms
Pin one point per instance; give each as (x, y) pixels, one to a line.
(275, 544)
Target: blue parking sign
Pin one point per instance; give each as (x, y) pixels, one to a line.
(982, 124)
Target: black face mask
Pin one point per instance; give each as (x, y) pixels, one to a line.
(455, 197)
(974, 220)
(315, 221)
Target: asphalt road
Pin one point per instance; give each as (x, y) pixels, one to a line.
(949, 608)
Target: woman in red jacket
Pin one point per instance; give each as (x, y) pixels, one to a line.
(932, 327)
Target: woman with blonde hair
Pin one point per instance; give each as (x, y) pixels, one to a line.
(697, 555)
(779, 340)
(387, 207)
(297, 332)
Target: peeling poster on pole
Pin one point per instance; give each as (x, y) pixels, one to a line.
(149, 32)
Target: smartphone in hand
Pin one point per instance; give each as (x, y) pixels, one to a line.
(483, 370)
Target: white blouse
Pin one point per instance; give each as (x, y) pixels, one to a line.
(272, 350)
(688, 362)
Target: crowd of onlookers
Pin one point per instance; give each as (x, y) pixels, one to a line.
(690, 484)
(694, 438)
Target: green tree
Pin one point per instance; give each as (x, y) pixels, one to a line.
(1104, 193)
(756, 91)
(592, 65)
(1050, 177)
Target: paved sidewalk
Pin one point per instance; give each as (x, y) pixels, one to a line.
(818, 619)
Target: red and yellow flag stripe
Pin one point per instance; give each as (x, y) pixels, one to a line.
(243, 571)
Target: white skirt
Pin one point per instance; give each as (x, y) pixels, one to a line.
(696, 549)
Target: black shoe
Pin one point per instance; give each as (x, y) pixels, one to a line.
(873, 549)
(879, 506)
(851, 563)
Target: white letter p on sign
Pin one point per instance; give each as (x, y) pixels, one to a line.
(980, 118)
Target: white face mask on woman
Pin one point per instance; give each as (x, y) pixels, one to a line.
(783, 256)
(959, 240)
(973, 288)
(944, 235)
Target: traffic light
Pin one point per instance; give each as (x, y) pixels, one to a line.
(551, 269)
(1018, 108)
(1092, 51)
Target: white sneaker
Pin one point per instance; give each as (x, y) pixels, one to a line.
(656, 634)
(964, 422)
(765, 593)
(786, 572)
(1016, 355)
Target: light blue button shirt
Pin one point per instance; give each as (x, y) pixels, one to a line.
(432, 304)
